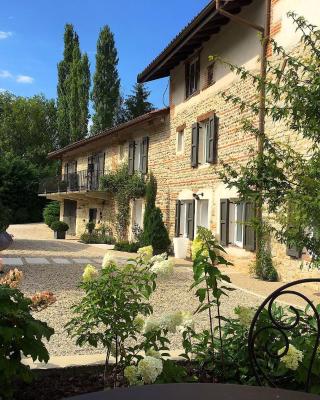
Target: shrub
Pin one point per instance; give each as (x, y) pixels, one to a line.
(51, 212)
(90, 226)
(127, 246)
(4, 218)
(59, 226)
(96, 238)
(21, 336)
(154, 230)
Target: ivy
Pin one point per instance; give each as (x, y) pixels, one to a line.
(124, 187)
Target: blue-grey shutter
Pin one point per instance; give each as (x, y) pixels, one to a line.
(144, 155)
(249, 231)
(190, 219)
(212, 140)
(177, 219)
(224, 222)
(194, 145)
(131, 157)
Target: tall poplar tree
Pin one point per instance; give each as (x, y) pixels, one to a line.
(106, 83)
(137, 103)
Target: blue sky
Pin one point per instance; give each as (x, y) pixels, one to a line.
(31, 38)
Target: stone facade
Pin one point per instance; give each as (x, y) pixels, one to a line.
(171, 165)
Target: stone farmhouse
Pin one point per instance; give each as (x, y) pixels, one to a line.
(184, 144)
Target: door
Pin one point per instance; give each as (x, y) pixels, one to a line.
(95, 170)
(93, 215)
(70, 215)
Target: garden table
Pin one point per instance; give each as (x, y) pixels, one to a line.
(197, 391)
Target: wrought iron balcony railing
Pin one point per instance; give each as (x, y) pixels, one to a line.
(81, 181)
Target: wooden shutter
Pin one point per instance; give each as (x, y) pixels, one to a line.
(190, 219)
(194, 145)
(224, 222)
(249, 232)
(131, 157)
(187, 79)
(144, 155)
(177, 219)
(212, 140)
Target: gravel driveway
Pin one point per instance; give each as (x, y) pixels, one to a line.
(172, 293)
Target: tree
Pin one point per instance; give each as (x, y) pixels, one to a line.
(137, 103)
(287, 172)
(28, 127)
(106, 83)
(73, 90)
(64, 67)
(154, 230)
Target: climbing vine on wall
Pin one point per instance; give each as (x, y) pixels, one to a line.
(124, 187)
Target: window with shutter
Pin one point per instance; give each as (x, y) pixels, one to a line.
(131, 157)
(224, 222)
(212, 140)
(194, 145)
(144, 155)
(177, 219)
(192, 76)
(249, 232)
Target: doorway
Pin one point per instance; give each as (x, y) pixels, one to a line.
(70, 215)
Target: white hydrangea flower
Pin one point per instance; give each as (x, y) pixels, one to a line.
(150, 368)
(146, 253)
(153, 353)
(293, 357)
(131, 374)
(108, 260)
(187, 322)
(245, 315)
(159, 258)
(152, 325)
(163, 268)
(138, 323)
(90, 273)
(171, 321)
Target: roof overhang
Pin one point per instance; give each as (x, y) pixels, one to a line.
(207, 23)
(58, 154)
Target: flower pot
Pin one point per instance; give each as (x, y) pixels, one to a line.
(59, 234)
(5, 240)
(180, 246)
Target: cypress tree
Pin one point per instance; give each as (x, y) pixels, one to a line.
(106, 83)
(137, 103)
(73, 90)
(62, 91)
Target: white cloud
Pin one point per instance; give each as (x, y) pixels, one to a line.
(5, 74)
(5, 35)
(24, 79)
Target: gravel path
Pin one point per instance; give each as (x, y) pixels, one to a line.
(172, 294)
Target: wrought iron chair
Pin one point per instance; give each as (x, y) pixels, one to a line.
(277, 331)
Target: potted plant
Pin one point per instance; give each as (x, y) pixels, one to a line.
(5, 239)
(60, 228)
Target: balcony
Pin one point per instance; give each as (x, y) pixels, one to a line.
(82, 181)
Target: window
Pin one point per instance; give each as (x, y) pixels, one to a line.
(192, 76)
(185, 218)
(236, 224)
(180, 142)
(138, 213)
(138, 155)
(210, 75)
(204, 142)
(203, 213)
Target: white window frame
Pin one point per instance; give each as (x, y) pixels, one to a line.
(180, 134)
(203, 131)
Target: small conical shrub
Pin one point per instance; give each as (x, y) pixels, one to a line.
(154, 230)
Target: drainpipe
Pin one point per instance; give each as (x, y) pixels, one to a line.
(265, 32)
